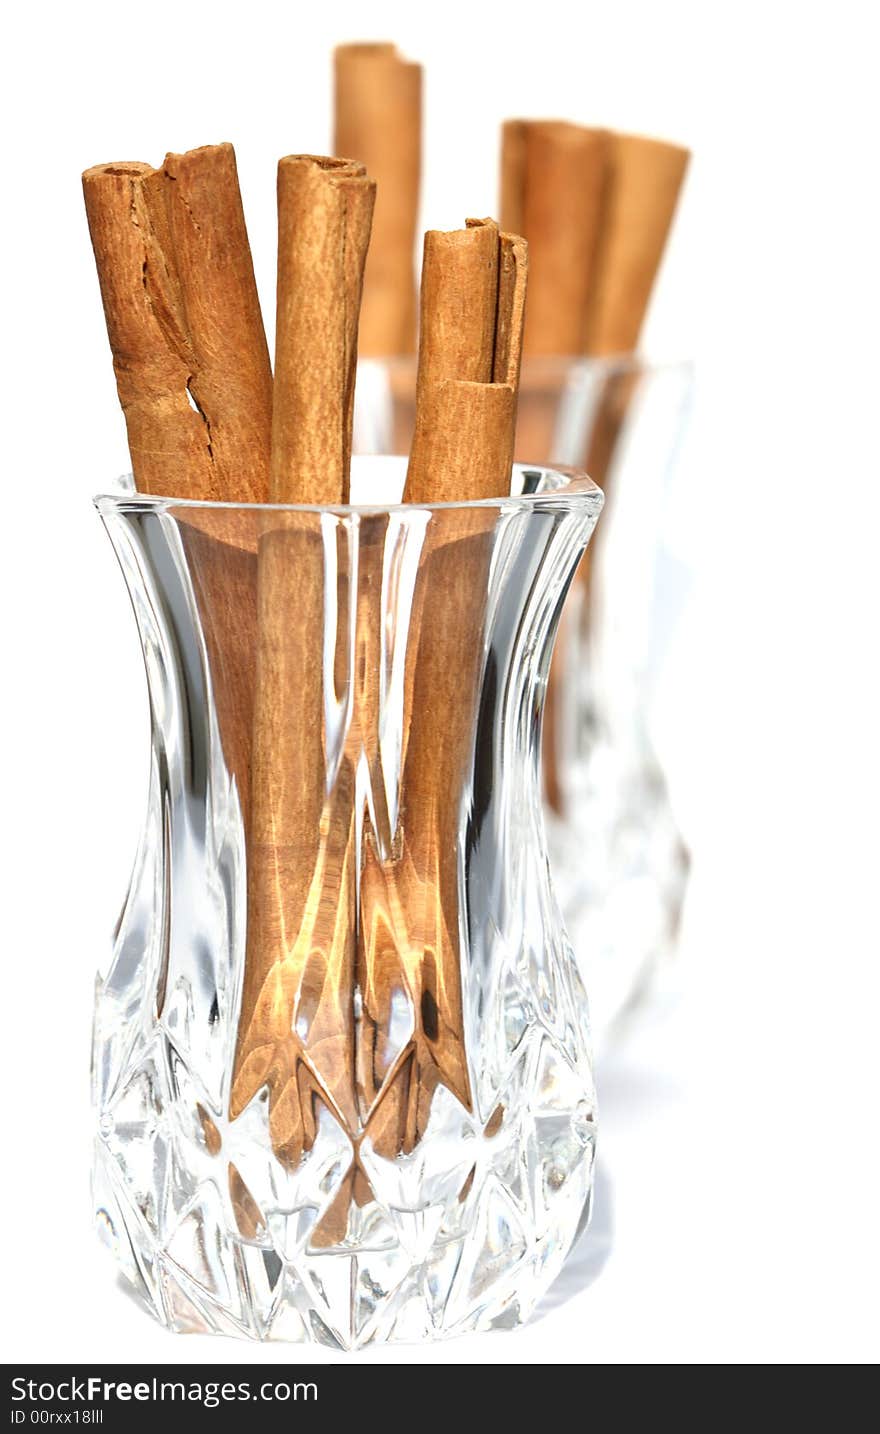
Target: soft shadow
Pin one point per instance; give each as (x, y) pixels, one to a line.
(590, 1252)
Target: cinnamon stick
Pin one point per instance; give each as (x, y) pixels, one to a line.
(553, 178)
(470, 345)
(473, 297)
(378, 100)
(152, 353)
(421, 888)
(513, 270)
(183, 318)
(552, 184)
(231, 382)
(195, 384)
(324, 214)
(296, 1028)
(459, 301)
(296, 998)
(644, 183)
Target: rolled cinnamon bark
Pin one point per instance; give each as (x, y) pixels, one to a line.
(473, 291)
(513, 273)
(641, 194)
(231, 382)
(231, 385)
(194, 380)
(644, 181)
(507, 364)
(324, 213)
(296, 1028)
(146, 325)
(442, 682)
(463, 442)
(552, 184)
(470, 345)
(378, 117)
(183, 318)
(410, 917)
(514, 162)
(553, 177)
(459, 303)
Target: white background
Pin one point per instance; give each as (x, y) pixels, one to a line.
(738, 1197)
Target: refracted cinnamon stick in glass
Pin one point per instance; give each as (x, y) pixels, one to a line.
(378, 121)
(194, 380)
(296, 1028)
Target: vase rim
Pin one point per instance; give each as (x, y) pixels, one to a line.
(565, 484)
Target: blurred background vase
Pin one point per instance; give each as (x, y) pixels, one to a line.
(341, 1065)
(619, 863)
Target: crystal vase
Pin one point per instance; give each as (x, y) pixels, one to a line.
(619, 864)
(341, 1061)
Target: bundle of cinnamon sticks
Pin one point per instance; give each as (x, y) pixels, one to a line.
(205, 419)
(597, 208)
(208, 421)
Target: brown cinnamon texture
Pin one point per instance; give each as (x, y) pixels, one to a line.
(295, 1029)
(194, 380)
(514, 162)
(180, 301)
(513, 270)
(470, 346)
(296, 1026)
(644, 181)
(378, 119)
(325, 210)
(596, 208)
(472, 305)
(152, 354)
(231, 385)
(463, 443)
(231, 381)
(552, 185)
(459, 301)
(410, 938)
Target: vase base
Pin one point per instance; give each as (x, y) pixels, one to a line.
(511, 1198)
